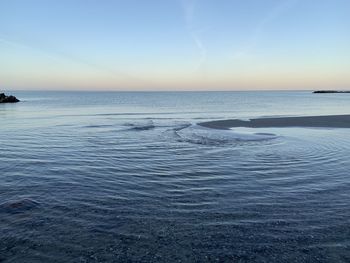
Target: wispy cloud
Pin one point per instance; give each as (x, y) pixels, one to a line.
(189, 7)
(57, 55)
(258, 32)
(16, 44)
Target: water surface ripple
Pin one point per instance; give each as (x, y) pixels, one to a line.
(87, 177)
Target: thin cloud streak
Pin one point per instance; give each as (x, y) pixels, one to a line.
(189, 7)
(57, 55)
(258, 32)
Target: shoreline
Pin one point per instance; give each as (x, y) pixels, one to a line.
(330, 121)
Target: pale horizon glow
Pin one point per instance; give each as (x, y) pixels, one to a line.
(165, 45)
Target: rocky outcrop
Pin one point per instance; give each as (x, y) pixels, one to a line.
(7, 99)
(330, 91)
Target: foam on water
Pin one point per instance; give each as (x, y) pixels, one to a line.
(203, 135)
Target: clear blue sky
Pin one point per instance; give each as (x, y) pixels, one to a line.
(174, 44)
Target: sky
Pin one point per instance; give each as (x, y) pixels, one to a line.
(174, 44)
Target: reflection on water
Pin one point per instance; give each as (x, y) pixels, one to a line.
(84, 180)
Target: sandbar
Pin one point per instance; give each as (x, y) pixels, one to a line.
(331, 121)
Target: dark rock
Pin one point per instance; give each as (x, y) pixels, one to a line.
(7, 99)
(330, 91)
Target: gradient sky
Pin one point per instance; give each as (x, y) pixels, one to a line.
(174, 44)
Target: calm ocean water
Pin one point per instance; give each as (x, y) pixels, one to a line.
(129, 177)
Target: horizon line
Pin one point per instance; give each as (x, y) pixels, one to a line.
(165, 91)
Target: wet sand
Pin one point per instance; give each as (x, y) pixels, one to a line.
(331, 121)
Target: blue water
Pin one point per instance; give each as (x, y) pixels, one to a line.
(129, 177)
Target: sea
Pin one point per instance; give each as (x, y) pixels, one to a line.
(132, 177)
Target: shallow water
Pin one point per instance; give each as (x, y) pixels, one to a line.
(129, 177)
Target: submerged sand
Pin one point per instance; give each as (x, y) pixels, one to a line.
(332, 121)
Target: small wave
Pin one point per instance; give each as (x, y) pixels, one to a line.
(202, 135)
(141, 126)
(265, 133)
(98, 126)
